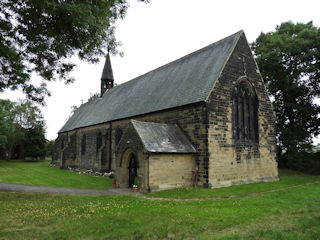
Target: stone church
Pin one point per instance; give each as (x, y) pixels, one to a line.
(204, 119)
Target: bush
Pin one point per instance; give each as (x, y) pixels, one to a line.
(302, 162)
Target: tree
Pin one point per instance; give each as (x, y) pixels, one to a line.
(27, 114)
(6, 122)
(49, 148)
(289, 60)
(28, 121)
(41, 36)
(22, 131)
(36, 142)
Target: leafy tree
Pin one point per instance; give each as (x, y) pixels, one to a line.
(36, 142)
(27, 114)
(22, 131)
(40, 37)
(6, 122)
(28, 120)
(289, 60)
(49, 148)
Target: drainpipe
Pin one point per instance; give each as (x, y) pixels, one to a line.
(110, 147)
(148, 184)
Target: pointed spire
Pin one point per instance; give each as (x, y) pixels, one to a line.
(107, 69)
(107, 76)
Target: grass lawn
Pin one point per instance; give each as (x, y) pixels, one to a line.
(292, 213)
(287, 178)
(40, 174)
(287, 214)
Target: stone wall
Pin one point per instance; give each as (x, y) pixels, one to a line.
(191, 119)
(64, 153)
(168, 171)
(72, 149)
(97, 150)
(58, 149)
(231, 162)
(69, 157)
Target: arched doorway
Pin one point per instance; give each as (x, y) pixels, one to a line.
(132, 170)
(128, 170)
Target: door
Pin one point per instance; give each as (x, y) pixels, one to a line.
(132, 171)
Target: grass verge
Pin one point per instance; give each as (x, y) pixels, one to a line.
(40, 174)
(287, 178)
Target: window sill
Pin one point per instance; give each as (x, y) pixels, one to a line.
(245, 143)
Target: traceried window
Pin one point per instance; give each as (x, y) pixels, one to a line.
(245, 113)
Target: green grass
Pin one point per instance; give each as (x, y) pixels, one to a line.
(287, 178)
(287, 214)
(40, 174)
(292, 213)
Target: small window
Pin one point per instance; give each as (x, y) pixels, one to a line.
(83, 144)
(245, 113)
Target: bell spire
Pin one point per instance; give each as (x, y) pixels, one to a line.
(107, 79)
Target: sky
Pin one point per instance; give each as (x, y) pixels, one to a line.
(157, 33)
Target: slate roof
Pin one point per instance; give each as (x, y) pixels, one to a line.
(181, 82)
(162, 138)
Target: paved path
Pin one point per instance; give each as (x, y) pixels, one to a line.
(11, 187)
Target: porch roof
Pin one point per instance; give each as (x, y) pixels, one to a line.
(163, 138)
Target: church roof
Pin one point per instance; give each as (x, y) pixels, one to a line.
(160, 137)
(181, 82)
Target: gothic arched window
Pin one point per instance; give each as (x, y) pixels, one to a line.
(245, 113)
(83, 144)
(99, 140)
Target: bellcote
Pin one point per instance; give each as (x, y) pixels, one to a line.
(107, 80)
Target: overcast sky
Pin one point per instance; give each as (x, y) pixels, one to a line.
(159, 32)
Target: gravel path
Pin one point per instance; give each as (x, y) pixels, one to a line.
(11, 187)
